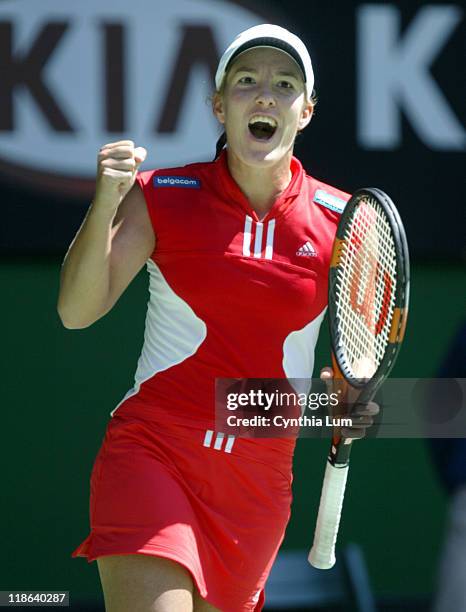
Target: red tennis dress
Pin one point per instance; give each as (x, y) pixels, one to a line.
(231, 296)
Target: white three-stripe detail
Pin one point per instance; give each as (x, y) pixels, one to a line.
(247, 236)
(209, 434)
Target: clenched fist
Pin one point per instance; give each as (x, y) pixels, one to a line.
(117, 166)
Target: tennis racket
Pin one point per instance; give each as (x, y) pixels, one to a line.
(368, 307)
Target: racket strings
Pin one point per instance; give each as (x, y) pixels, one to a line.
(366, 283)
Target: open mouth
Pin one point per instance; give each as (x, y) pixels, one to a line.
(262, 127)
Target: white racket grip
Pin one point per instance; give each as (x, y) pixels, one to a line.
(322, 554)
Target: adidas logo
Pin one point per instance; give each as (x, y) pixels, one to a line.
(307, 250)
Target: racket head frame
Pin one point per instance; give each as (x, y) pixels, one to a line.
(399, 318)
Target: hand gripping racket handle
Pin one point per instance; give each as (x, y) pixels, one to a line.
(322, 554)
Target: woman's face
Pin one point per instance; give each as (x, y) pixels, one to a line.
(263, 105)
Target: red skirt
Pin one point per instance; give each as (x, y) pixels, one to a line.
(217, 505)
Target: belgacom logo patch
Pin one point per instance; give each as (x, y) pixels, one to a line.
(177, 181)
(77, 75)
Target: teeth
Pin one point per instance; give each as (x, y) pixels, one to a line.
(263, 119)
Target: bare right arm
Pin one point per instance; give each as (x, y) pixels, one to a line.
(113, 243)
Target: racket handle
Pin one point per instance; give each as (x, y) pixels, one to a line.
(322, 554)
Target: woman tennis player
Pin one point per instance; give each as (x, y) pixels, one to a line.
(184, 517)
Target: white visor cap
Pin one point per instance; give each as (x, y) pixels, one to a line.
(268, 35)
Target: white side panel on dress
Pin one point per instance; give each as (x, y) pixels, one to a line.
(299, 353)
(172, 332)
